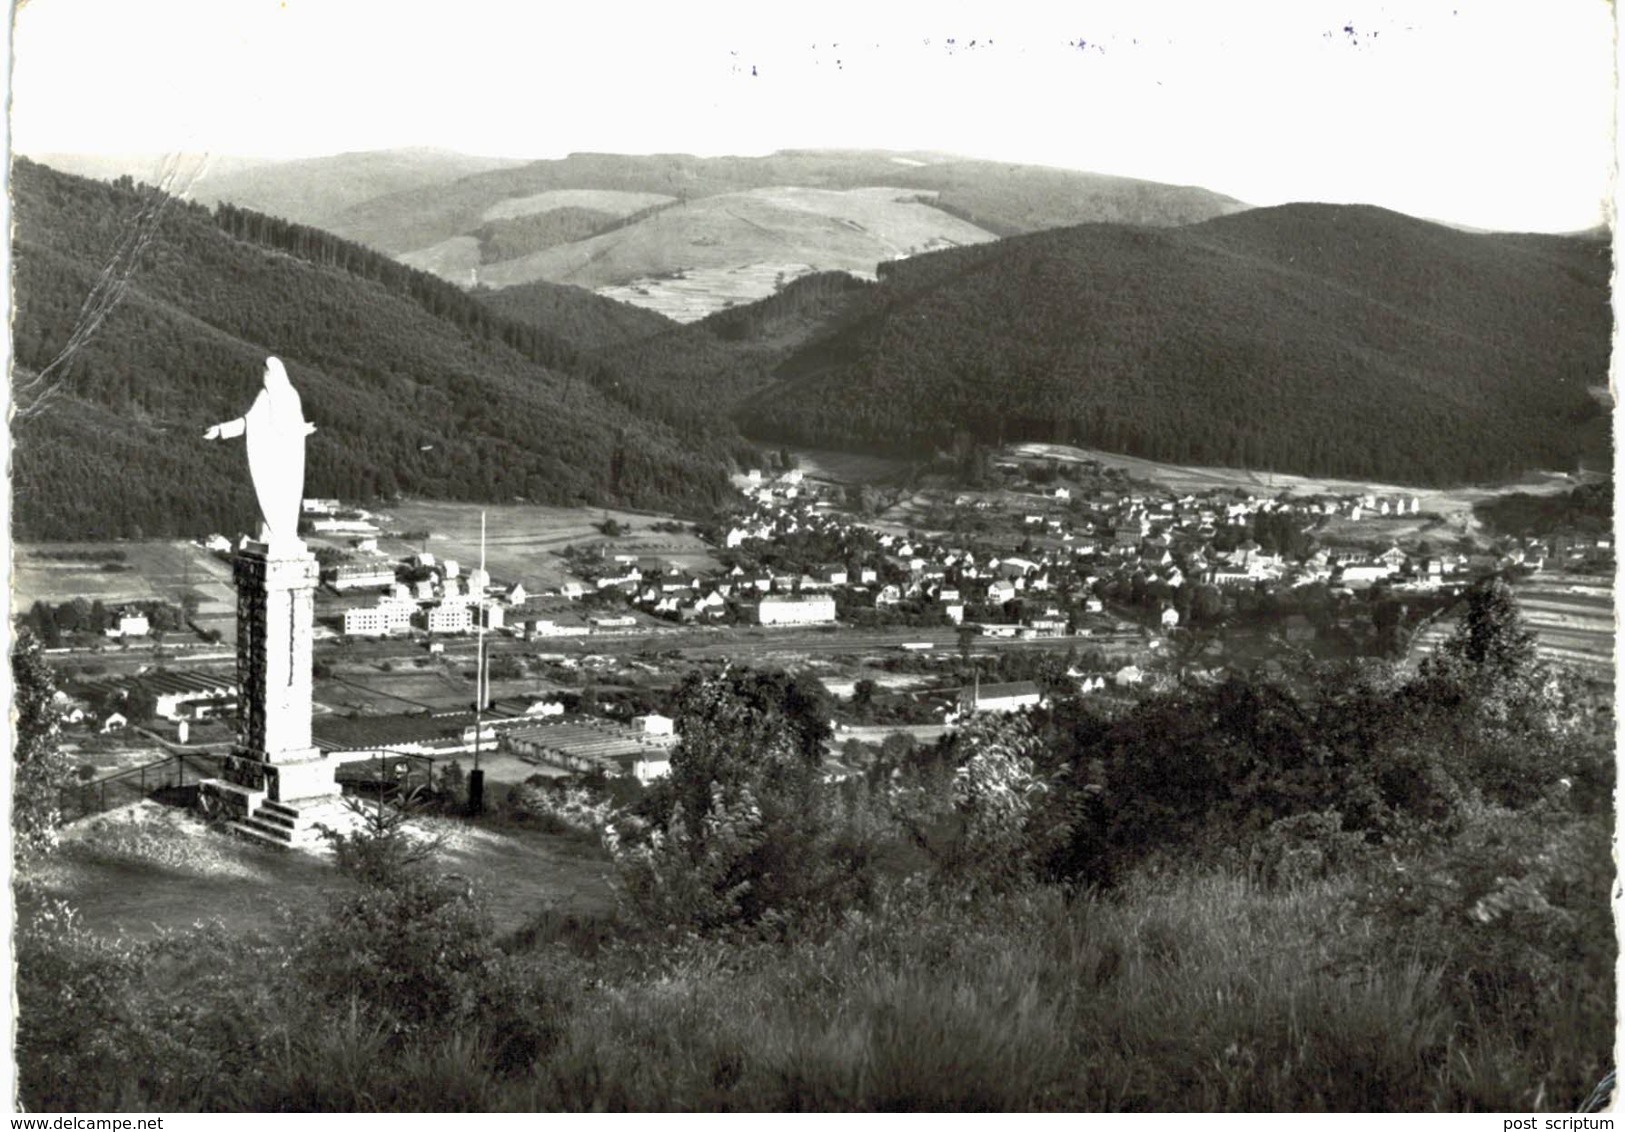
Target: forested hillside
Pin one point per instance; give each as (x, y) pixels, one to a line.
(416, 388)
(1306, 338)
(693, 375)
(574, 315)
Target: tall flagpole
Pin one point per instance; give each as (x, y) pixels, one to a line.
(476, 778)
(479, 650)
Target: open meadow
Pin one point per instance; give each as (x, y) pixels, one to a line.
(1454, 504)
(523, 541)
(152, 570)
(759, 231)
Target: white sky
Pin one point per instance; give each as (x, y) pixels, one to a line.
(1493, 114)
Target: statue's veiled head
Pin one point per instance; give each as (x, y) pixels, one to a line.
(276, 377)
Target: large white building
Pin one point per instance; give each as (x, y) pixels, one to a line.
(384, 619)
(775, 610)
(1000, 697)
(584, 745)
(450, 619)
(363, 575)
(191, 695)
(130, 625)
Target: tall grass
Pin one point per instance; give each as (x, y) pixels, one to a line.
(1186, 992)
(1477, 976)
(1197, 993)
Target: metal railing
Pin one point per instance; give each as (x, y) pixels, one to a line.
(388, 774)
(173, 773)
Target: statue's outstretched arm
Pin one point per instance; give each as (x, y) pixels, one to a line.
(226, 430)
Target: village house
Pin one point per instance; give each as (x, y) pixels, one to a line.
(1363, 573)
(779, 610)
(130, 624)
(1011, 697)
(448, 619)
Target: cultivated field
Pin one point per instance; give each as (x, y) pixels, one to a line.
(455, 260)
(613, 201)
(522, 541)
(1573, 619)
(697, 292)
(370, 690)
(847, 467)
(153, 571)
(740, 232)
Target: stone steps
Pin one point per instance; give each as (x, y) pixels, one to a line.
(248, 828)
(283, 825)
(267, 817)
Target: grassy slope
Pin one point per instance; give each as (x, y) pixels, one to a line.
(1304, 338)
(832, 231)
(1196, 993)
(611, 201)
(316, 190)
(517, 236)
(1010, 199)
(1005, 198)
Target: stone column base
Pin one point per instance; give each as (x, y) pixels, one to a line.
(294, 776)
(304, 779)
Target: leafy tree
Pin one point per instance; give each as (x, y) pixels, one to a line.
(744, 834)
(1492, 635)
(503, 666)
(1511, 719)
(863, 696)
(995, 791)
(41, 768)
(42, 620)
(141, 704)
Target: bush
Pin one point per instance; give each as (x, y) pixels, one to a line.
(744, 834)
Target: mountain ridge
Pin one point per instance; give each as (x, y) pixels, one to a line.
(1302, 338)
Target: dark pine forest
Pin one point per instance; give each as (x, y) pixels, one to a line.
(1307, 338)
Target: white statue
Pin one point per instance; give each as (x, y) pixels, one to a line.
(276, 429)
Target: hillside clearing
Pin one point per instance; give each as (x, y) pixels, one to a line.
(827, 230)
(614, 201)
(145, 868)
(153, 570)
(522, 540)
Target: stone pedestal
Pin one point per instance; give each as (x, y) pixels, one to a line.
(276, 595)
